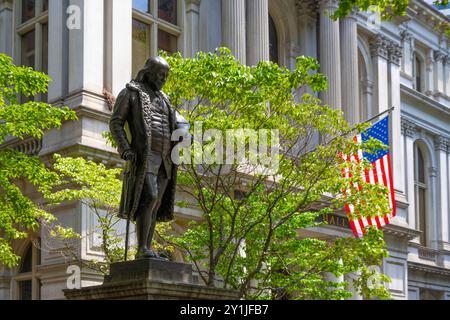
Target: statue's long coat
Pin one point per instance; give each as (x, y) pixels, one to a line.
(129, 130)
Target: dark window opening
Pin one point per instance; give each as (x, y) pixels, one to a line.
(273, 42)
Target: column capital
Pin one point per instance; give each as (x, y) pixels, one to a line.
(307, 8)
(196, 2)
(328, 4)
(441, 143)
(405, 35)
(6, 4)
(438, 55)
(395, 53)
(379, 46)
(409, 128)
(446, 59)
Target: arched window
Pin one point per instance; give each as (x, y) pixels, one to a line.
(27, 282)
(273, 42)
(420, 182)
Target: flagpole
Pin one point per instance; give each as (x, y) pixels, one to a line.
(353, 128)
(379, 115)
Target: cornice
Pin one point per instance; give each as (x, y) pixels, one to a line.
(420, 97)
(429, 269)
(401, 232)
(426, 13)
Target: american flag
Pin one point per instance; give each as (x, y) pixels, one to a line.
(379, 173)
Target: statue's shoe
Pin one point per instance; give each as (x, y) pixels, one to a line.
(149, 254)
(146, 254)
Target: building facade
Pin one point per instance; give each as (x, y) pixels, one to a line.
(96, 46)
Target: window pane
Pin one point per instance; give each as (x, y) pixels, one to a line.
(44, 5)
(141, 45)
(25, 290)
(418, 78)
(167, 42)
(28, 10)
(27, 261)
(420, 166)
(28, 49)
(422, 212)
(167, 10)
(142, 5)
(273, 41)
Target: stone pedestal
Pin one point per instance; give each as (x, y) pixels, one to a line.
(150, 279)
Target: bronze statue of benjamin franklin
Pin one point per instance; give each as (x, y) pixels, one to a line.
(142, 124)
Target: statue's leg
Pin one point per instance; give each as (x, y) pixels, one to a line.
(162, 183)
(145, 217)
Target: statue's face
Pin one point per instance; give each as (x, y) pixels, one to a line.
(158, 76)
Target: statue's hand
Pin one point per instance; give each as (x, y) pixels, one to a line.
(129, 155)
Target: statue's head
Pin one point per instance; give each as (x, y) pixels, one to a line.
(155, 73)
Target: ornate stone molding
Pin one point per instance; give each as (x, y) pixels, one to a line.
(438, 55)
(406, 36)
(379, 47)
(307, 8)
(428, 269)
(446, 60)
(409, 128)
(395, 53)
(401, 232)
(441, 143)
(30, 146)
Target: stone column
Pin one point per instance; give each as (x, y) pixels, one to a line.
(409, 132)
(257, 31)
(433, 219)
(441, 145)
(350, 278)
(446, 61)
(118, 62)
(58, 34)
(330, 277)
(350, 75)
(233, 28)
(330, 53)
(379, 52)
(86, 69)
(395, 55)
(439, 72)
(192, 27)
(307, 20)
(6, 27)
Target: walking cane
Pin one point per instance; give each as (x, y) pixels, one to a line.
(127, 238)
(127, 235)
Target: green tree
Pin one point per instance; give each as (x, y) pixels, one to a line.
(18, 214)
(248, 239)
